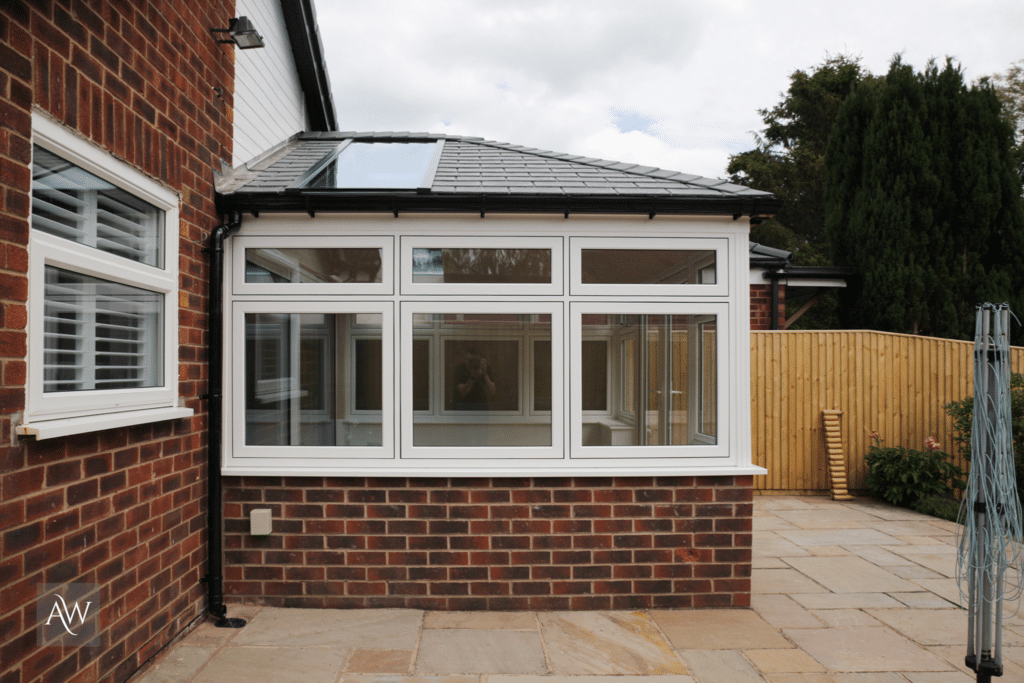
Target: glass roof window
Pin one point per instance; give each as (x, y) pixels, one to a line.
(378, 166)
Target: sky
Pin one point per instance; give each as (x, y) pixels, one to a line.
(675, 84)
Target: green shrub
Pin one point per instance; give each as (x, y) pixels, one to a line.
(943, 507)
(905, 477)
(962, 413)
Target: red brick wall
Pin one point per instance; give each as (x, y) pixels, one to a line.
(497, 544)
(123, 508)
(761, 307)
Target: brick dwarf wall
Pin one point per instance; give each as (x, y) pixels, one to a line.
(123, 508)
(761, 306)
(495, 544)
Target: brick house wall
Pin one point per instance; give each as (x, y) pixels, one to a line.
(498, 544)
(124, 508)
(761, 306)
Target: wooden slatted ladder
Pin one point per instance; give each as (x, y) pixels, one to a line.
(836, 459)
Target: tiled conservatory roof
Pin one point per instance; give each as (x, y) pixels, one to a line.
(473, 173)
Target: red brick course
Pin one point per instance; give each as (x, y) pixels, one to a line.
(122, 508)
(761, 307)
(491, 544)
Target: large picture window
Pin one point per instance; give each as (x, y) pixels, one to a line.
(103, 291)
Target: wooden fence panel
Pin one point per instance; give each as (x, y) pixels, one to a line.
(894, 384)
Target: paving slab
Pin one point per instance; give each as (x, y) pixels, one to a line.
(909, 528)
(179, 665)
(347, 629)
(832, 518)
(926, 626)
(943, 565)
(862, 649)
(844, 537)
(829, 550)
(771, 544)
(522, 621)
(923, 600)
(844, 618)
(783, 661)
(366, 661)
(781, 611)
(583, 679)
(913, 571)
(721, 666)
(946, 588)
(850, 575)
(939, 677)
(277, 664)
(768, 563)
(783, 581)
(844, 600)
(480, 651)
(718, 630)
(772, 523)
(610, 643)
(880, 555)
(379, 678)
(954, 655)
(889, 512)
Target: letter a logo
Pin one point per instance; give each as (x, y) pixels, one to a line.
(67, 616)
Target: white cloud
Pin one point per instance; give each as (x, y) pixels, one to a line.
(559, 74)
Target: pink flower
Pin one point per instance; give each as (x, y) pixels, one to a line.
(873, 436)
(931, 444)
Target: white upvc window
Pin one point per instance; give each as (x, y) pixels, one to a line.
(103, 291)
(477, 353)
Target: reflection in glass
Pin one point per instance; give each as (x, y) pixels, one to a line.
(492, 373)
(520, 266)
(294, 367)
(647, 266)
(665, 374)
(304, 266)
(377, 165)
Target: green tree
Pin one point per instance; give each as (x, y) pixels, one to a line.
(789, 157)
(923, 202)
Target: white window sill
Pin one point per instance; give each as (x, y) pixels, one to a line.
(455, 470)
(49, 429)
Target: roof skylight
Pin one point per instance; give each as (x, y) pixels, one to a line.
(378, 166)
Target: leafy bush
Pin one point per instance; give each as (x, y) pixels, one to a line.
(943, 507)
(962, 413)
(906, 477)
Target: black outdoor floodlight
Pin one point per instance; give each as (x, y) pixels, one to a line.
(242, 32)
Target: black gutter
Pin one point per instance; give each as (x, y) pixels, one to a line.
(317, 201)
(215, 414)
(300, 22)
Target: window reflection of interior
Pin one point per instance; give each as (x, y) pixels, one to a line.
(278, 266)
(482, 380)
(480, 266)
(648, 266)
(661, 380)
(294, 365)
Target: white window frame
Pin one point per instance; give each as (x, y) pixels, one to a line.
(52, 414)
(382, 288)
(408, 419)
(310, 456)
(409, 243)
(576, 420)
(642, 291)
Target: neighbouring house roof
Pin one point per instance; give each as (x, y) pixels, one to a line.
(304, 36)
(473, 174)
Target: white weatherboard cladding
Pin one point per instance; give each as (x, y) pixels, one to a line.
(729, 301)
(269, 104)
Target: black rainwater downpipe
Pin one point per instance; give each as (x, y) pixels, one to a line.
(215, 413)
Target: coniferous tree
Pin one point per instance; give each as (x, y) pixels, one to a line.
(922, 201)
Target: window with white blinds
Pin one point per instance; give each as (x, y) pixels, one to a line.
(70, 202)
(99, 334)
(103, 290)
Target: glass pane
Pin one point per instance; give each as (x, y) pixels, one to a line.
(484, 371)
(294, 365)
(99, 334)
(482, 265)
(377, 165)
(312, 265)
(647, 266)
(667, 382)
(70, 202)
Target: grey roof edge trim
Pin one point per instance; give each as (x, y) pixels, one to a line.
(311, 201)
(307, 50)
(234, 178)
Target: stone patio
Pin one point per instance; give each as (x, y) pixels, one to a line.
(843, 592)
